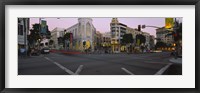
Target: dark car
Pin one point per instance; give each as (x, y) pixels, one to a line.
(45, 50)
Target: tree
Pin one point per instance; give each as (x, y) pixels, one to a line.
(141, 38)
(48, 34)
(66, 37)
(51, 42)
(160, 44)
(127, 39)
(34, 34)
(60, 40)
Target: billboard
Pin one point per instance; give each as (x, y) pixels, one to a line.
(169, 23)
(43, 28)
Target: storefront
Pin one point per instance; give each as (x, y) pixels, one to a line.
(116, 48)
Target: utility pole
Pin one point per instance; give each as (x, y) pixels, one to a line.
(25, 34)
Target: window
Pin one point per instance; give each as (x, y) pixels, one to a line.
(20, 29)
(76, 32)
(88, 30)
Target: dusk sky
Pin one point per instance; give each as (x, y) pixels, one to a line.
(103, 24)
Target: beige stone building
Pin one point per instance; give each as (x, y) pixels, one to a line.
(161, 35)
(55, 34)
(117, 31)
(84, 30)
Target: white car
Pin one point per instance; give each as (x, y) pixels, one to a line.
(45, 50)
(157, 51)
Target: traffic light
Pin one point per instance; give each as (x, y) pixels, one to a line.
(139, 27)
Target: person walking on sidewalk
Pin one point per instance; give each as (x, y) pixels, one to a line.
(22, 51)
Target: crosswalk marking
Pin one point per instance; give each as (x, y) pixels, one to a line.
(65, 69)
(127, 71)
(162, 70)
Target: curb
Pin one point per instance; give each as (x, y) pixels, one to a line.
(178, 60)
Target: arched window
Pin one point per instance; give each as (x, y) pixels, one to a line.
(88, 29)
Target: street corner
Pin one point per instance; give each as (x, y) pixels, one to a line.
(176, 60)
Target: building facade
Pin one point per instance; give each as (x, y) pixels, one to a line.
(98, 40)
(23, 30)
(55, 34)
(106, 40)
(147, 37)
(161, 34)
(152, 42)
(134, 32)
(83, 31)
(117, 31)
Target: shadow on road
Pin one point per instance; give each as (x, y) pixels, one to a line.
(175, 69)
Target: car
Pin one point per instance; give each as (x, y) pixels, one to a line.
(45, 50)
(157, 51)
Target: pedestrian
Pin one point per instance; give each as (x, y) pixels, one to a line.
(22, 51)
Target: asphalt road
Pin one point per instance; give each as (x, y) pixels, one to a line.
(97, 64)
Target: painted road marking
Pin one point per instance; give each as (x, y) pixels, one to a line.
(65, 69)
(162, 70)
(155, 62)
(127, 71)
(79, 70)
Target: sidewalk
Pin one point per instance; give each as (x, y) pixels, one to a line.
(178, 60)
(65, 51)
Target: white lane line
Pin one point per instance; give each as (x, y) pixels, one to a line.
(162, 70)
(62, 67)
(127, 71)
(154, 62)
(79, 70)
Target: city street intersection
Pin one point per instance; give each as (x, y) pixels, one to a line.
(99, 64)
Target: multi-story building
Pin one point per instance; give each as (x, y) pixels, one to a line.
(84, 30)
(147, 36)
(23, 30)
(117, 31)
(134, 32)
(55, 34)
(106, 40)
(98, 40)
(161, 34)
(152, 42)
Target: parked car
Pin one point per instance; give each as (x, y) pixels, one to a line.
(45, 50)
(157, 51)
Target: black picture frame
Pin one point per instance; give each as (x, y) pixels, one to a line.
(3, 3)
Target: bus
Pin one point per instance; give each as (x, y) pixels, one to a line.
(44, 46)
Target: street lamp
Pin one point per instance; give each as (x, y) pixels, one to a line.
(168, 29)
